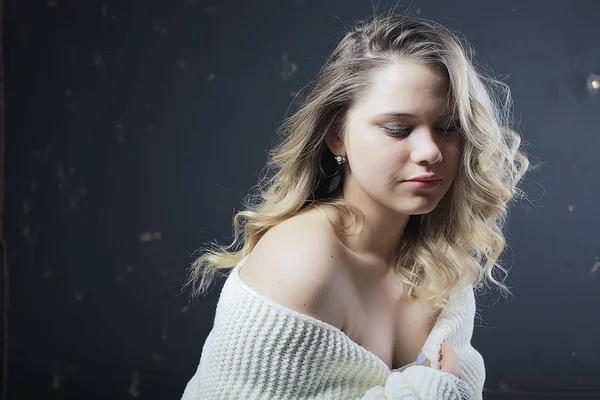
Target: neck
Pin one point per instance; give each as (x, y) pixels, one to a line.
(383, 229)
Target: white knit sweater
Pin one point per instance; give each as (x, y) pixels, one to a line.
(259, 349)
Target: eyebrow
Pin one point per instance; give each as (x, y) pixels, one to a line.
(411, 116)
(449, 118)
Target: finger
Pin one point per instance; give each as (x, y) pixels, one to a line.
(445, 347)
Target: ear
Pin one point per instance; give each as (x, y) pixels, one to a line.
(335, 143)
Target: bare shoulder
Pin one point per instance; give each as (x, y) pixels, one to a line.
(299, 264)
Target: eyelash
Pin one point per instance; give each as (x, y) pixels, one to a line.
(406, 131)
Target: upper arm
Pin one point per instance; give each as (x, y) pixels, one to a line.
(298, 266)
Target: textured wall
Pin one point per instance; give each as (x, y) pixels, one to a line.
(135, 128)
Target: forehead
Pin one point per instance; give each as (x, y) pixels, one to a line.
(407, 87)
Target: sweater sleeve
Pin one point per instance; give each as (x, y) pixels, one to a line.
(455, 326)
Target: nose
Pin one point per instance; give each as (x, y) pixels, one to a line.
(425, 148)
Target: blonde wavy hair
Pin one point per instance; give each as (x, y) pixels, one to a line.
(461, 240)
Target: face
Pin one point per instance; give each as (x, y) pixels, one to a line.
(398, 131)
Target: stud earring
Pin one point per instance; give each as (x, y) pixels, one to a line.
(340, 159)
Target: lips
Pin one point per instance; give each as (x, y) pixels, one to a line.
(424, 178)
(431, 184)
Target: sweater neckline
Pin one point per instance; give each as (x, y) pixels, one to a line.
(314, 321)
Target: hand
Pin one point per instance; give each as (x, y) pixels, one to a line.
(448, 361)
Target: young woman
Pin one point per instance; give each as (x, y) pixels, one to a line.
(354, 270)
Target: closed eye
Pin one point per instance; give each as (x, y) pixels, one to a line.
(396, 131)
(447, 129)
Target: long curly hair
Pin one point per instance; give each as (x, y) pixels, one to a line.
(461, 240)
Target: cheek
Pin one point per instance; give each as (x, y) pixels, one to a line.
(380, 172)
(452, 155)
(380, 164)
(367, 154)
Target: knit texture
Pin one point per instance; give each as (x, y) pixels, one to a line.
(259, 349)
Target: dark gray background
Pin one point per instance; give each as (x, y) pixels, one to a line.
(135, 128)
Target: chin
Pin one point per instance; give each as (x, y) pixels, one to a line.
(420, 207)
(422, 211)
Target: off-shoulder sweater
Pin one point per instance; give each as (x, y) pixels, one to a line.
(259, 349)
